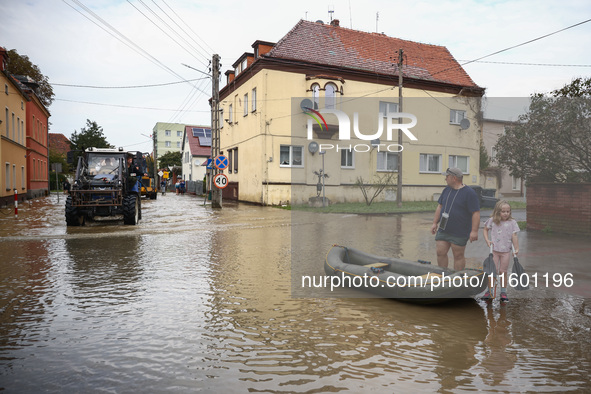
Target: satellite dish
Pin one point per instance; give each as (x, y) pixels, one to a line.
(306, 105)
(197, 162)
(313, 147)
(320, 21)
(464, 124)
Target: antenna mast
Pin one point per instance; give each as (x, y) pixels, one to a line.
(377, 19)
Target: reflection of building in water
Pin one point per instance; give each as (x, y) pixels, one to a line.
(24, 270)
(498, 356)
(307, 344)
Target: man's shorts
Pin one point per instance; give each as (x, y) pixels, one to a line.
(443, 236)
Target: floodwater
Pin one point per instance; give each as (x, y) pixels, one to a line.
(200, 300)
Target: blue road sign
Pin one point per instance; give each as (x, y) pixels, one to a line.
(221, 162)
(208, 165)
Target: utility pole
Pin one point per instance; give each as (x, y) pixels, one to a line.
(155, 159)
(216, 193)
(399, 183)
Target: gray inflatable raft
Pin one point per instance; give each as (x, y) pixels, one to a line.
(401, 279)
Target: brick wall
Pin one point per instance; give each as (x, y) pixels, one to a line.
(562, 208)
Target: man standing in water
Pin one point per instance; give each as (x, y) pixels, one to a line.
(456, 219)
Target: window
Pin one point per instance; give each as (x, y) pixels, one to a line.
(290, 156)
(221, 120)
(179, 134)
(178, 144)
(13, 128)
(246, 104)
(330, 91)
(22, 177)
(7, 175)
(388, 108)
(168, 133)
(230, 114)
(456, 116)
(493, 154)
(347, 159)
(460, 162)
(167, 144)
(235, 160)
(515, 183)
(6, 89)
(430, 163)
(316, 95)
(387, 161)
(254, 100)
(7, 123)
(230, 168)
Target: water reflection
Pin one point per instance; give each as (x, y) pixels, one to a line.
(499, 357)
(194, 299)
(101, 270)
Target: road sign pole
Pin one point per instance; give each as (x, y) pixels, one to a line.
(216, 193)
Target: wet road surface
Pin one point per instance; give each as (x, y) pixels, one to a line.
(193, 299)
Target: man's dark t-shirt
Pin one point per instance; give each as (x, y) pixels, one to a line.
(460, 204)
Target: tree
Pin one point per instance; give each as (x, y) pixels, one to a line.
(371, 191)
(484, 158)
(21, 65)
(91, 136)
(57, 157)
(552, 141)
(170, 159)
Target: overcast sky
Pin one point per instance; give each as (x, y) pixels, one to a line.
(112, 44)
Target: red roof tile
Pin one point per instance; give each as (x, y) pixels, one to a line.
(59, 143)
(341, 47)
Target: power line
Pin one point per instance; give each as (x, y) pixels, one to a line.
(513, 47)
(168, 35)
(125, 87)
(532, 64)
(188, 26)
(124, 106)
(122, 38)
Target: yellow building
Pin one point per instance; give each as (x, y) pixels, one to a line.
(13, 150)
(331, 90)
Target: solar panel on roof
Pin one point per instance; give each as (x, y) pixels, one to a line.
(203, 134)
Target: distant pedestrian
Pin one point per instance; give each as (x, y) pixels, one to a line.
(501, 230)
(456, 220)
(67, 186)
(182, 186)
(163, 186)
(177, 186)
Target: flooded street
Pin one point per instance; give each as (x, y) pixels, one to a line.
(194, 299)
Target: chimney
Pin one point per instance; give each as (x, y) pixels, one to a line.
(335, 22)
(3, 58)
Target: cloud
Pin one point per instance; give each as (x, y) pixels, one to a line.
(70, 49)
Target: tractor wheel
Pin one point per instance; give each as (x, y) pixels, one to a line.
(73, 217)
(131, 210)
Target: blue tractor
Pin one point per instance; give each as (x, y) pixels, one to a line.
(106, 186)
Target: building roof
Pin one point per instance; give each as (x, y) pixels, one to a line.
(59, 143)
(332, 45)
(195, 147)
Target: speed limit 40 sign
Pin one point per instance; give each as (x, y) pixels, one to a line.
(220, 181)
